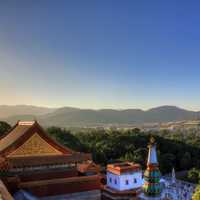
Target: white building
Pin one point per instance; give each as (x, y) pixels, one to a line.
(124, 176)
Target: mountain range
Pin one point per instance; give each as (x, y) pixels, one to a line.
(68, 116)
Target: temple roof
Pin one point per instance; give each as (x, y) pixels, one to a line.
(88, 166)
(22, 132)
(77, 179)
(16, 132)
(48, 160)
(28, 145)
(125, 167)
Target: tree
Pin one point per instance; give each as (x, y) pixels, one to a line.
(65, 137)
(186, 161)
(129, 156)
(167, 162)
(196, 195)
(193, 175)
(4, 127)
(113, 145)
(140, 156)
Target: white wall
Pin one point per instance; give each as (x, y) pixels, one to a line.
(121, 181)
(112, 184)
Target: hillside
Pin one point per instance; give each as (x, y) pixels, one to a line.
(8, 111)
(67, 116)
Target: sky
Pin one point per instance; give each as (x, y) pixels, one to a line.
(100, 53)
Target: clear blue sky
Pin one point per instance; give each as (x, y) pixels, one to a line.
(100, 53)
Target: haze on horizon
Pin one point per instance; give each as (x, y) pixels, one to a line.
(100, 54)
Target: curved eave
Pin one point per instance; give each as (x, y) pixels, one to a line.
(15, 139)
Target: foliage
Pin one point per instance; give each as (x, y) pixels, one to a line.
(186, 160)
(175, 149)
(194, 175)
(196, 195)
(167, 161)
(4, 127)
(64, 137)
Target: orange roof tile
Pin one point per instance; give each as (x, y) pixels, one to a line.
(119, 168)
(88, 166)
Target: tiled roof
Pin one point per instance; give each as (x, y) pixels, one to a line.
(48, 160)
(88, 166)
(119, 168)
(77, 179)
(21, 132)
(13, 135)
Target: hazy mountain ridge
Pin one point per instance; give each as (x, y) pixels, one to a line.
(68, 116)
(8, 111)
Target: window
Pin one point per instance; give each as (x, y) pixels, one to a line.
(135, 180)
(110, 180)
(115, 182)
(126, 182)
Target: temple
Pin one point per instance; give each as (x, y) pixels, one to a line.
(32, 161)
(124, 181)
(33, 166)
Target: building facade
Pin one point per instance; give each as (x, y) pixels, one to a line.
(32, 161)
(124, 181)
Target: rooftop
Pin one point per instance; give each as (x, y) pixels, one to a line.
(27, 144)
(125, 167)
(21, 132)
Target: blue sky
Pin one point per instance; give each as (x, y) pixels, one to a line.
(100, 53)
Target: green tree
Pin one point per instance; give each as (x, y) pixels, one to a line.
(4, 127)
(186, 161)
(196, 195)
(180, 149)
(167, 162)
(129, 157)
(140, 156)
(65, 137)
(193, 175)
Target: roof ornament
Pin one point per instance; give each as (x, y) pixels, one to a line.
(152, 140)
(152, 155)
(152, 186)
(26, 123)
(173, 176)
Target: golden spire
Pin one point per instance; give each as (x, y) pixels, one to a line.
(152, 155)
(152, 140)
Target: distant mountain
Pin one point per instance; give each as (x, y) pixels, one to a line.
(8, 111)
(13, 119)
(67, 116)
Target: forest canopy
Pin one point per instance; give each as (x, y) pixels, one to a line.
(174, 149)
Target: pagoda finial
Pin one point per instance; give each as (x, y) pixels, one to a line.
(152, 140)
(152, 155)
(152, 187)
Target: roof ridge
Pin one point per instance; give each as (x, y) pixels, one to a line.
(10, 133)
(54, 140)
(7, 132)
(24, 130)
(26, 123)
